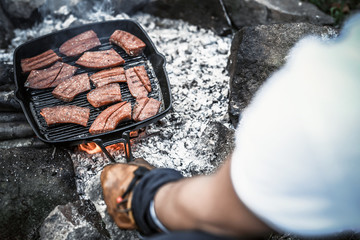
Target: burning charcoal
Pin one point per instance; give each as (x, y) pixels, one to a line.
(11, 130)
(6, 74)
(113, 75)
(12, 117)
(100, 59)
(132, 45)
(23, 143)
(8, 101)
(7, 87)
(42, 60)
(80, 43)
(7, 82)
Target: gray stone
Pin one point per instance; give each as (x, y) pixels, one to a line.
(6, 76)
(6, 30)
(222, 16)
(21, 8)
(32, 183)
(204, 13)
(258, 51)
(24, 13)
(260, 12)
(218, 140)
(77, 220)
(80, 8)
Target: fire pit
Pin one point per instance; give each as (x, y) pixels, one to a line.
(186, 138)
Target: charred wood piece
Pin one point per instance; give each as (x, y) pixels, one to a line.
(11, 130)
(8, 101)
(23, 143)
(12, 117)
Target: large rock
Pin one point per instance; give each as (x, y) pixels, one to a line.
(21, 8)
(7, 89)
(258, 51)
(205, 13)
(226, 15)
(262, 12)
(77, 220)
(6, 30)
(81, 8)
(22, 13)
(32, 182)
(218, 140)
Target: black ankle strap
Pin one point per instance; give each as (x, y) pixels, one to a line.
(144, 192)
(138, 173)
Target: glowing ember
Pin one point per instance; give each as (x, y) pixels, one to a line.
(90, 148)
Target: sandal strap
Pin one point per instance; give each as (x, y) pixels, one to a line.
(138, 173)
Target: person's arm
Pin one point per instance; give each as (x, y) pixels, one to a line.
(207, 203)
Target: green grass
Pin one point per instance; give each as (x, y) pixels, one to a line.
(338, 9)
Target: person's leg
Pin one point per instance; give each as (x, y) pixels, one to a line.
(207, 203)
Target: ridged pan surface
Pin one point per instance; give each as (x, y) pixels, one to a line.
(33, 100)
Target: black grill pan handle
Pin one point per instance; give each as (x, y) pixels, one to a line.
(124, 139)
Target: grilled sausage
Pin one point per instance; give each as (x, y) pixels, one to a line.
(138, 107)
(39, 61)
(66, 72)
(104, 95)
(80, 43)
(108, 119)
(40, 79)
(120, 115)
(66, 114)
(100, 59)
(108, 76)
(68, 89)
(144, 78)
(135, 85)
(150, 109)
(131, 44)
(50, 77)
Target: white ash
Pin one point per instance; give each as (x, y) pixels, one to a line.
(196, 61)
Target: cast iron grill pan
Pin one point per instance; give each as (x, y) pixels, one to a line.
(33, 100)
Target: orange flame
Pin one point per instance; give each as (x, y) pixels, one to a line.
(92, 148)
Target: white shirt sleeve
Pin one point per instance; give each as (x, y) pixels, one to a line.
(296, 164)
